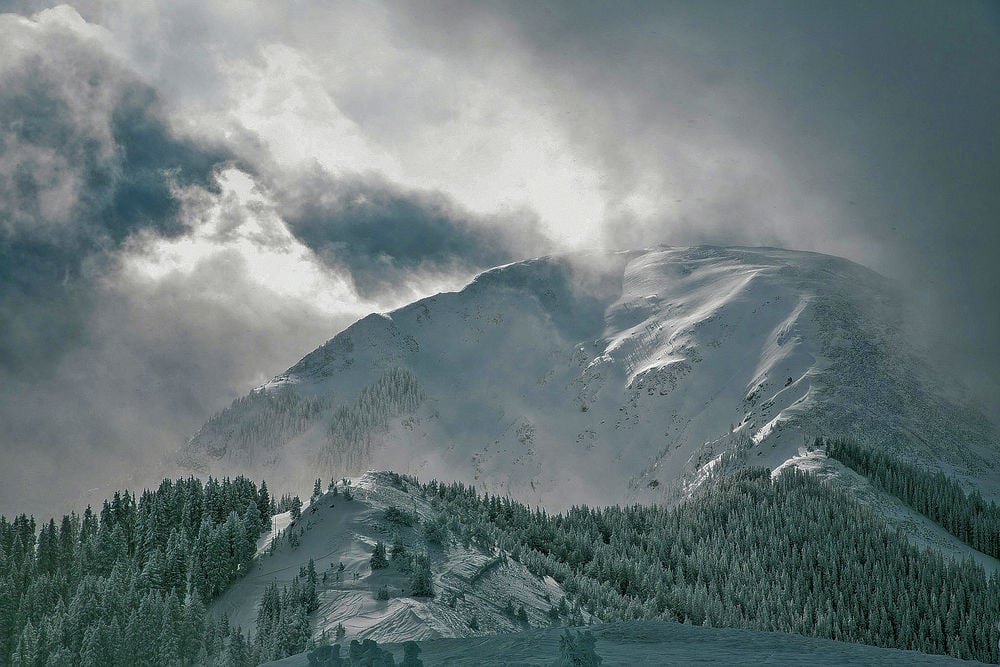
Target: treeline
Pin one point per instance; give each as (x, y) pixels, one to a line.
(282, 624)
(790, 554)
(351, 427)
(258, 422)
(938, 497)
(128, 586)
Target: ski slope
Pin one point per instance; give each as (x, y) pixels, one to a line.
(605, 377)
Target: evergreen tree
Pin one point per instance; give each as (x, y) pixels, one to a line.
(398, 550)
(237, 652)
(311, 597)
(522, 615)
(577, 650)
(411, 653)
(265, 506)
(378, 559)
(421, 579)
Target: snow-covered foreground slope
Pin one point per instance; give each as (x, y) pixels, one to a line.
(660, 643)
(469, 583)
(606, 377)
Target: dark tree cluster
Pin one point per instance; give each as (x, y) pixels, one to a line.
(577, 650)
(351, 427)
(289, 503)
(282, 625)
(256, 423)
(365, 653)
(938, 497)
(789, 554)
(128, 586)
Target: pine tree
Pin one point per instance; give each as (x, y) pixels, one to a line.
(237, 653)
(577, 650)
(398, 550)
(96, 651)
(522, 615)
(421, 580)
(265, 506)
(378, 559)
(311, 597)
(411, 653)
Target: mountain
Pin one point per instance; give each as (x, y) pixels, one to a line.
(605, 377)
(469, 580)
(785, 553)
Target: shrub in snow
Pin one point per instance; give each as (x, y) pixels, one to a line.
(577, 650)
(378, 559)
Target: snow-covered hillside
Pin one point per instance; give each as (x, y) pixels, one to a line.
(604, 377)
(662, 643)
(469, 583)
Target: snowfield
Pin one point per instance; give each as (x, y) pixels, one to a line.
(661, 643)
(609, 377)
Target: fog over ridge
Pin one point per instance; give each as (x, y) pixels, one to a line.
(195, 194)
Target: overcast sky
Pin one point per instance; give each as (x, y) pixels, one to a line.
(193, 194)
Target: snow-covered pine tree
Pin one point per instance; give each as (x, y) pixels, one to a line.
(421, 578)
(378, 559)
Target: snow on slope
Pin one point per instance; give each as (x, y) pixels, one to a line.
(468, 581)
(662, 643)
(919, 529)
(607, 377)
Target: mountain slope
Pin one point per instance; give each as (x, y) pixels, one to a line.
(661, 643)
(604, 377)
(469, 581)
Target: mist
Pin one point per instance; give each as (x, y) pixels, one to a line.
(194, 195)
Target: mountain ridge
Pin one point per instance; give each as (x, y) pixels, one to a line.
(613, 376)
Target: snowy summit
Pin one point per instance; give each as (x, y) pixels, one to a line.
(609, 376)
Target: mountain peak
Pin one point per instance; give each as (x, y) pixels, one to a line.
(601, 376)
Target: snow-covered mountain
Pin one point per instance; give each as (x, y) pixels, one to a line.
(609, 376)
(469, 581)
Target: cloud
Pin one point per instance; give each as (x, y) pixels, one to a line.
(85, 161)
(151, 270)
(865, 131)
(386, 237)
(192, 194)
(104, 369)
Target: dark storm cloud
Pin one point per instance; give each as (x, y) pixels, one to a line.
(104, 373)
(383, 234)
(859, 129)
(867, 130)
(86, 160)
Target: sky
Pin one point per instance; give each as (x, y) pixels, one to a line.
(196, 193)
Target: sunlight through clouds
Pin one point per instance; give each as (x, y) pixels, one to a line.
(176, 174)
(241, 222)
